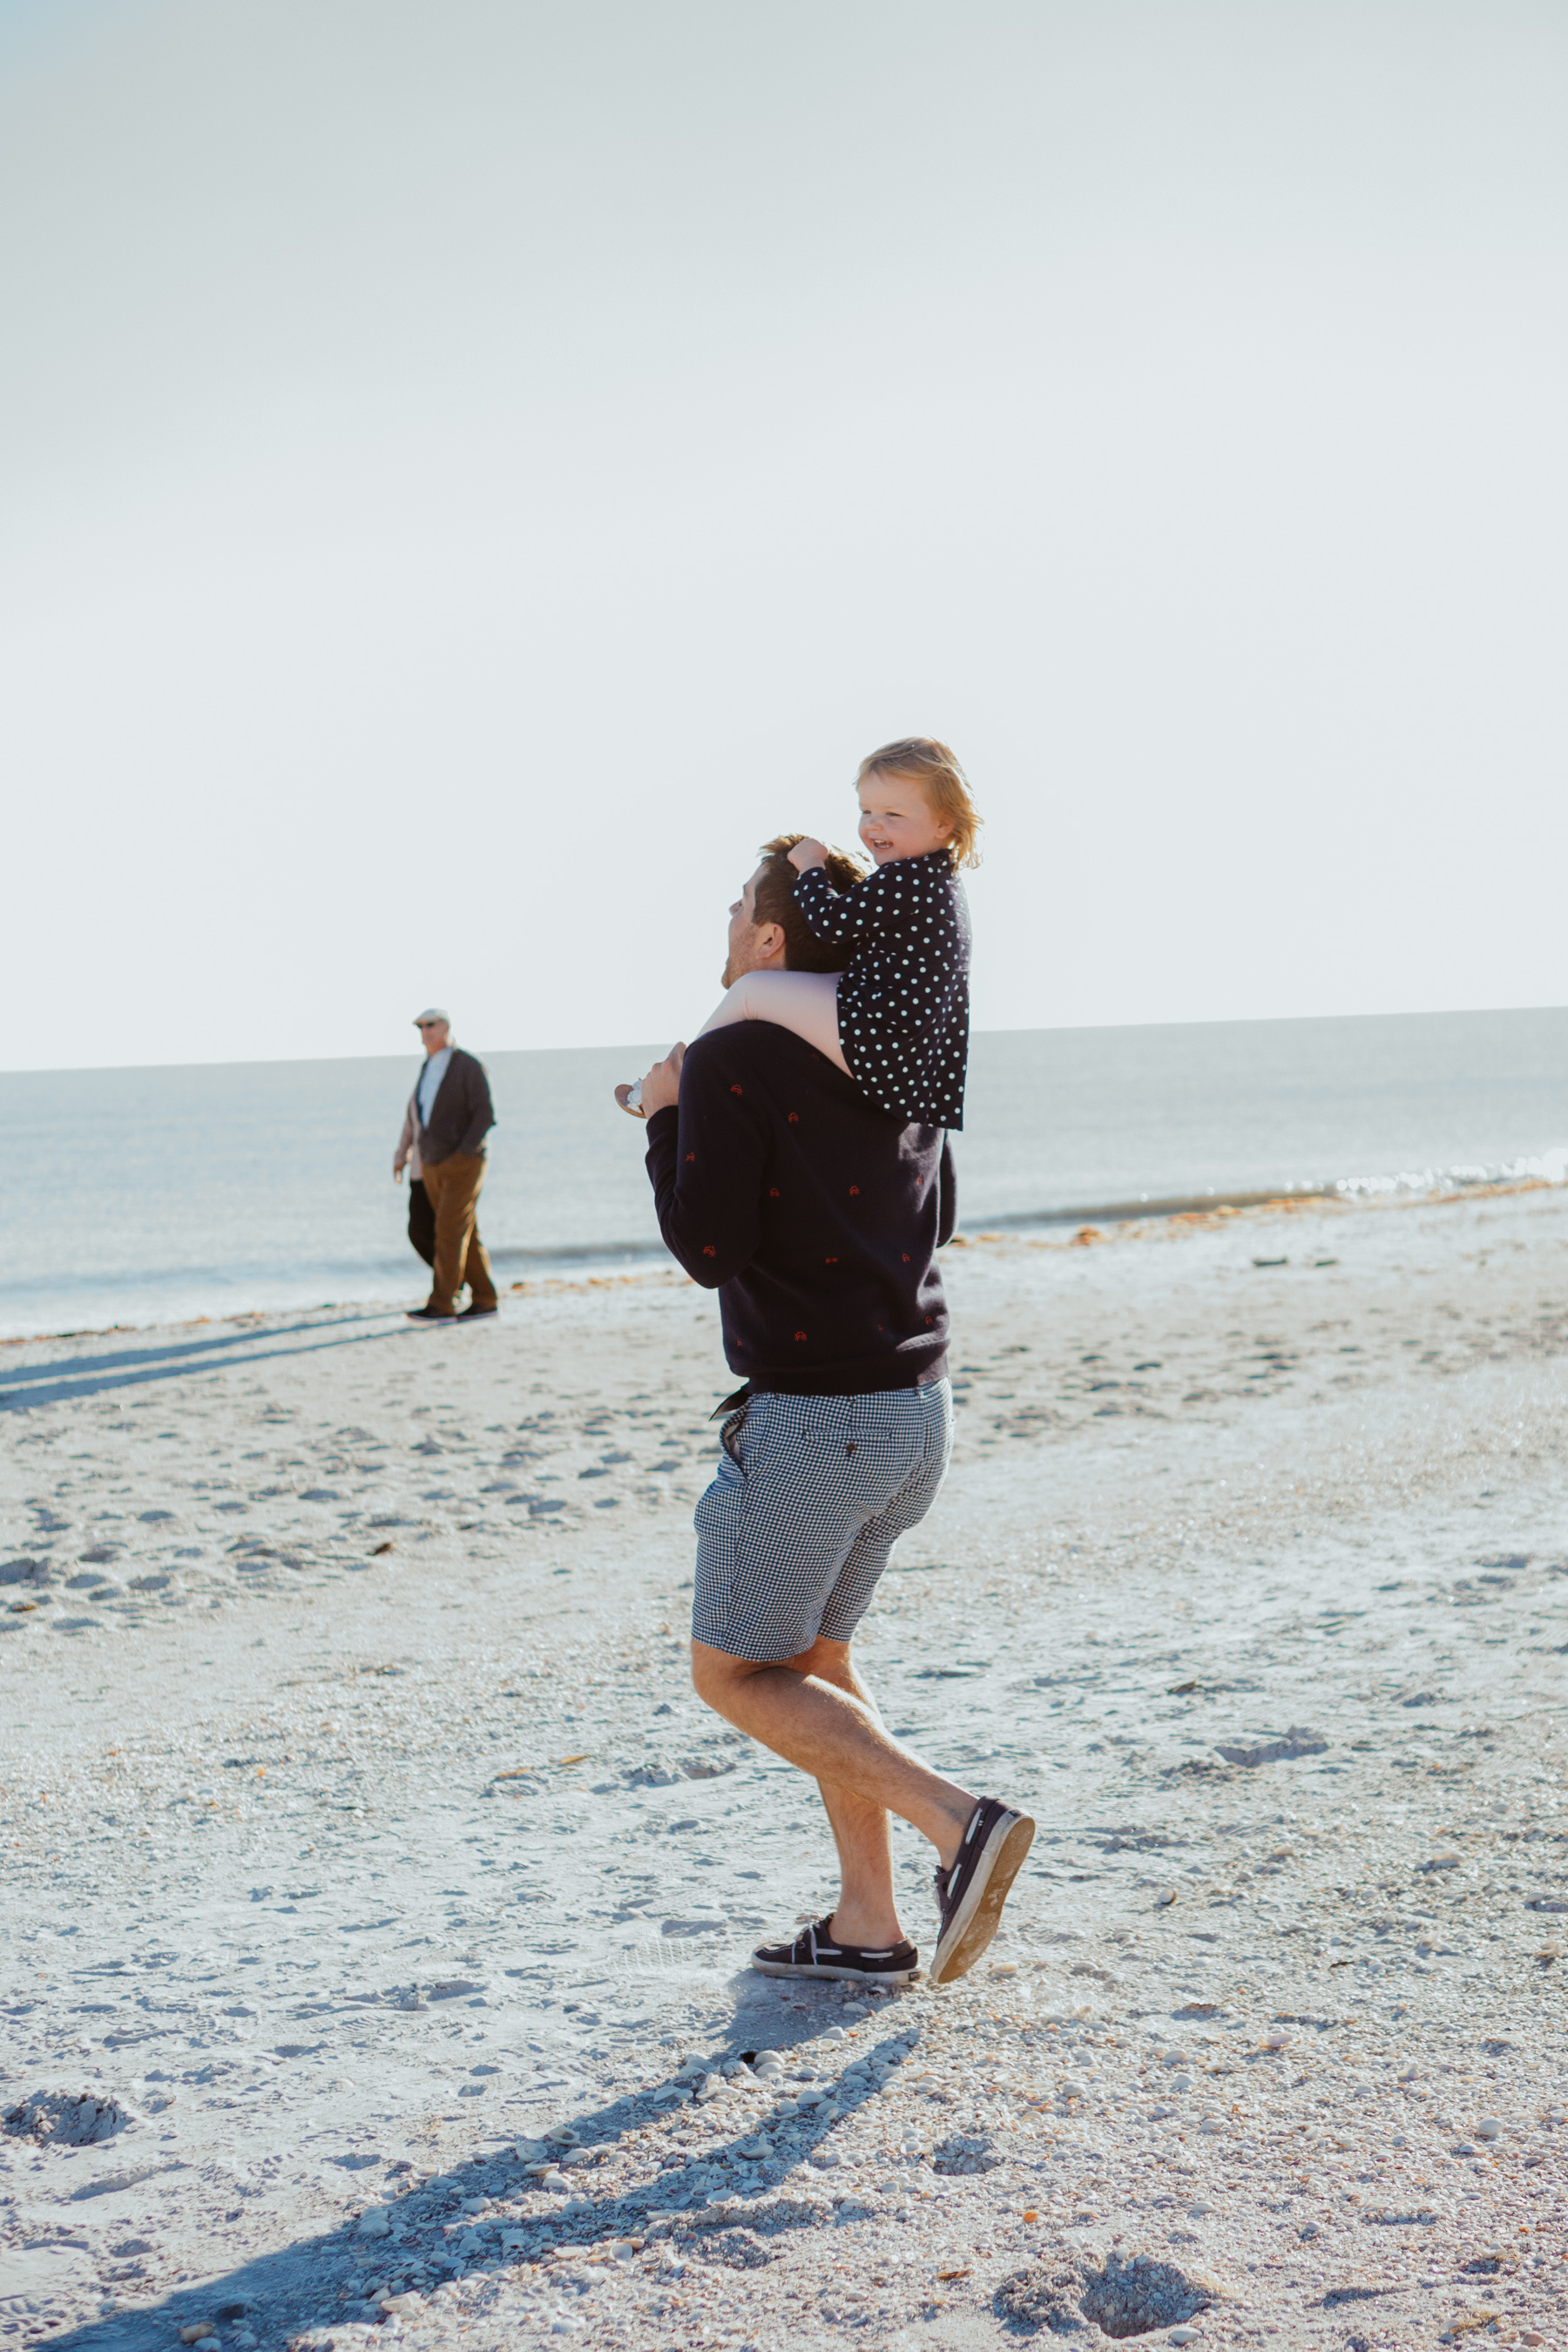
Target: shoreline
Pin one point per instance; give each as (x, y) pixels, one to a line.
(1182, 1213)
(1065, 1128)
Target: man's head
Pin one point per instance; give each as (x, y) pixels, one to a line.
(435, 1029)
(767, 931)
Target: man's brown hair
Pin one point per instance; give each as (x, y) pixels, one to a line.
(774, 903)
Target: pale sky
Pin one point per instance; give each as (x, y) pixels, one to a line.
(472, 470)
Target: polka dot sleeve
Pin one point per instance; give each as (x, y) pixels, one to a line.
(903, 1003)
(839, 916)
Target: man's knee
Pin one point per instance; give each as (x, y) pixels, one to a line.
(715, 1674)
(717, 1677)
(828, 1661)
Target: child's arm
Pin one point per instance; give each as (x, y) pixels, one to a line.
(837, 916)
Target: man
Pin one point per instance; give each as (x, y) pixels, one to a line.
(816, 1216)
(452, 1116)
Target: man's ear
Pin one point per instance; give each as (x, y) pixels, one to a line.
(769, 942)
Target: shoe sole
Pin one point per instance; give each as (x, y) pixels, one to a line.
(980, 1913)
(844, 1976)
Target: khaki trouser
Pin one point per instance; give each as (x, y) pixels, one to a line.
(453, 1187)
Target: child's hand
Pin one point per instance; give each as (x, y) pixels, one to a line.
(661, 1087)
(807, 854)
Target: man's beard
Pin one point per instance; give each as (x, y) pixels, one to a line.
(732, 971)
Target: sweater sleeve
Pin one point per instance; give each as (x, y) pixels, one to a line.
(476, 1103)
(947, 1196)
(707, 1160)
(840, 916)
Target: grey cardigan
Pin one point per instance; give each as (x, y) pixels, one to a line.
(461, 1116)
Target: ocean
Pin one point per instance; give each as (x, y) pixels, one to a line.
(157, 1195)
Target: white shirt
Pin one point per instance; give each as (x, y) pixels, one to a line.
(429, 1085)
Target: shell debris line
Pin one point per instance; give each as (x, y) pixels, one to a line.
(379, 1897)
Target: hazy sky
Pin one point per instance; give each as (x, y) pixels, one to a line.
(471, 470)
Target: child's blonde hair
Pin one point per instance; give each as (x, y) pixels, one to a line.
(933, 767)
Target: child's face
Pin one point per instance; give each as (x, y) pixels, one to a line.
(898, 821)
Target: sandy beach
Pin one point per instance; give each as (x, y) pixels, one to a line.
(378, 1898)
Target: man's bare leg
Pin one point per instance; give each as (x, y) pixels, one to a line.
(815, 1713)
(867, 1911)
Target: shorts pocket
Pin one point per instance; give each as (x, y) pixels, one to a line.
(718, 1512)
(729, 1435)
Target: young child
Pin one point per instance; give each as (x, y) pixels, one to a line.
(897, 1021)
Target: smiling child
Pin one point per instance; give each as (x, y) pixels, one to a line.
(898, 1019)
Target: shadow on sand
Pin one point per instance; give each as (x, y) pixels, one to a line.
(306, 2285)
(84, 1376)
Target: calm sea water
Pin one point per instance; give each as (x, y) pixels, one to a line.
(140, 1196)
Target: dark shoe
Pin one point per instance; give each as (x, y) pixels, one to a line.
(971, 1893)
(431, 1315)
(469, 1313)
(813, 1953)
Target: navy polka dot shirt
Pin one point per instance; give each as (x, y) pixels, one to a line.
(903, 1003)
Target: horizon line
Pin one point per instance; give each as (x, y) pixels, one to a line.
(1020, 1029)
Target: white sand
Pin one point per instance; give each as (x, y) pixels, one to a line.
(1250, 1581)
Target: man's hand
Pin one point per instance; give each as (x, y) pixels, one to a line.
(661, 1087)
(397, 1167)
(807, 854)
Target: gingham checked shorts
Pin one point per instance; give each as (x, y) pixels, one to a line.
(812, 1494)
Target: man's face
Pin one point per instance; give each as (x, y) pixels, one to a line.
(753, 947)
(433, 1036)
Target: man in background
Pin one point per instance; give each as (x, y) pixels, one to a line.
(451, 1116)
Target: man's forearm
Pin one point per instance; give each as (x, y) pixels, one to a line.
(701, 1228)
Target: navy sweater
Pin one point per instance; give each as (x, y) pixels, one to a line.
(815, 1215)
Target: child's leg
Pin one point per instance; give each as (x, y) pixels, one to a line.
(804, 1003)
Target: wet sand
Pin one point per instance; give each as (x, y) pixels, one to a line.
(362, 1831)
